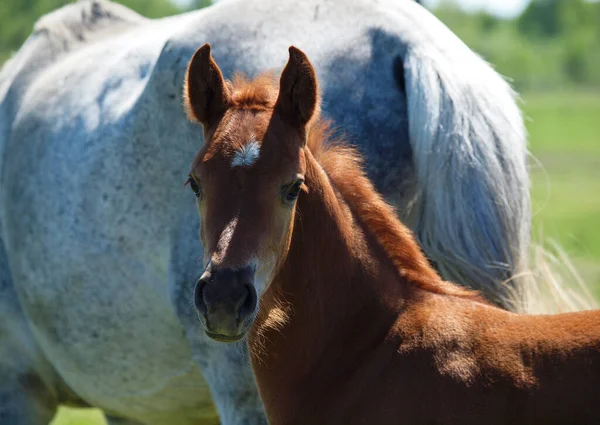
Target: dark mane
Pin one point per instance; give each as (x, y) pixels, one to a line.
(344, 166)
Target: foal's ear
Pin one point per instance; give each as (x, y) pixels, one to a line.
(298, 90)
(205, 95)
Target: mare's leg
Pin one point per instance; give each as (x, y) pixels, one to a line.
(226, 367)
(20, 404)
(27, 381)
(30, 388)
(232, 383)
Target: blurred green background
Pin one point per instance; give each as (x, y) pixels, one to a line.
(549, 50)
(551, 54)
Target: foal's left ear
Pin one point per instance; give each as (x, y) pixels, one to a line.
(298, 90)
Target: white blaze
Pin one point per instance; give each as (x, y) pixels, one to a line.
(246, 156)
(225, 238)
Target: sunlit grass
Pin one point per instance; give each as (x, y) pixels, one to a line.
(78, 417)
(564, 130)
(564, 122)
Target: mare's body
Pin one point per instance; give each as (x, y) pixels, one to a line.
(99, 246)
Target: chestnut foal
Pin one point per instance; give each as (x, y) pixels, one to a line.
(352, 325)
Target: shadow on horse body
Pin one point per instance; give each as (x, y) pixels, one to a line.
(101, 240)
(353, 325)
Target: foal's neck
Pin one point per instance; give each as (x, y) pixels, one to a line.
(338, 286)
(351, 269)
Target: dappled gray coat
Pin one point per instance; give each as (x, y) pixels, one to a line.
(99, 247)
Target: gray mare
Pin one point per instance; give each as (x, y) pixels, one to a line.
(100, 249)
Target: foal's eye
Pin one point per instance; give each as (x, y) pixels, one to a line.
(294, 190)
(194, 186)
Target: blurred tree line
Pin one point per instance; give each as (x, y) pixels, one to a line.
(18, 16)
(552, 43)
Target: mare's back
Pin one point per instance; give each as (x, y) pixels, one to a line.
(116, 73)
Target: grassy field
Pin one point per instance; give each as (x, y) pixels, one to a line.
(79, 417)
(565, 138)
(564, 132)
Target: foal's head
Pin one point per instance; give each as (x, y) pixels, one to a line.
(246, 178)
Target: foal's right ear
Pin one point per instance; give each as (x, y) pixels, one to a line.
(205, 94)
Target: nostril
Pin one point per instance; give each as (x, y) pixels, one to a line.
(199, 302)
(248, 304)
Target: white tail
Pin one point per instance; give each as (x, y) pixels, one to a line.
(553, 285)
(470, 207)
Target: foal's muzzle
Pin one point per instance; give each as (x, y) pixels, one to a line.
(226, 302)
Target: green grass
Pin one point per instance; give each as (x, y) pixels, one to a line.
(78, 417)
(563, 121)
(564, 129)
(564, 132)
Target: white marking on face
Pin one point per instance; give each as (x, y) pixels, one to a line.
(246, 156)
(225, 238)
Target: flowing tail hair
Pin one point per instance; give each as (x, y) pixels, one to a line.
(470, 203)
